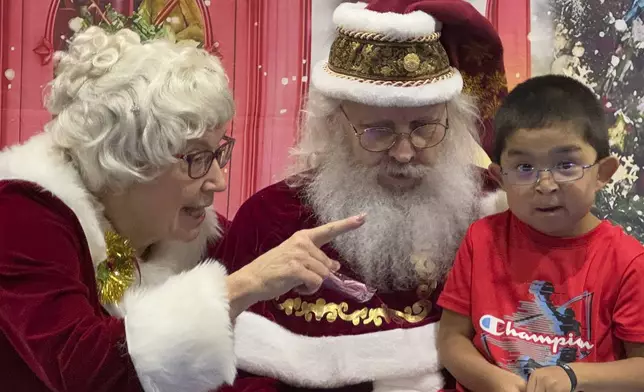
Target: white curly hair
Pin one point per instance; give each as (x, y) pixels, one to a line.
(122, 109)
(321, 131)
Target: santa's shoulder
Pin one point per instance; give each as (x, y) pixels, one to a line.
(282, 201)
(492, 203)
(279, 192)
(493, 199)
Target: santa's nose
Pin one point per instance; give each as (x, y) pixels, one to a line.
(403, 151)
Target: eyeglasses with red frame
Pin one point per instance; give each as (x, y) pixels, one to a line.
(200, 162)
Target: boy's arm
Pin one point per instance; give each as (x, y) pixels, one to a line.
(466, 364)
(625, 375)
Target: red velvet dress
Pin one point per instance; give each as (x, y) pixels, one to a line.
(49, 302)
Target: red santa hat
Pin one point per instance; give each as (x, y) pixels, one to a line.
(409, 53)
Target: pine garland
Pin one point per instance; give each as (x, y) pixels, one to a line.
(112, 21)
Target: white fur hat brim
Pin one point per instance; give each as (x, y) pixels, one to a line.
(384, 94)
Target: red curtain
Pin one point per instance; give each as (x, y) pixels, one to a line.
(269, 70)
(4, 5)
(511, 18)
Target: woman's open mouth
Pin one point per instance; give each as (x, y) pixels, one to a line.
(195, 212)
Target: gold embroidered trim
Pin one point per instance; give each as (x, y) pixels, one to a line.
(386, 38)
(416, 83)
(333, 311)
(388, 61)
(486, 88)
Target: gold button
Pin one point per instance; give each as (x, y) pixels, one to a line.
(411, 62)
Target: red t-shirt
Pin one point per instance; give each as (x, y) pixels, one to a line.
(535, 300)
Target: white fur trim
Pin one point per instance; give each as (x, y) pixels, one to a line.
(493, 203)
(267, 349)
(172, 257)
(333, 86)
(355, 17)
(39, 162)
(179, 334)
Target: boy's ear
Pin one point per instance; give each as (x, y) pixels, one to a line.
(496, 174)
(606, 169)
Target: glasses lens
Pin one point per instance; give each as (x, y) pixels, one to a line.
(200, 164)
(377, 139)
(565, 173)
(223, 154)
(428, 135)
(521, 177)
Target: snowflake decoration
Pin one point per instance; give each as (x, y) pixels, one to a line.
(623, 181)
(581, 73)
(627, 173)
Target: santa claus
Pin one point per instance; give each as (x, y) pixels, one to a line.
(390, 131)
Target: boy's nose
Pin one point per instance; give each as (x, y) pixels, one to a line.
(546, 182)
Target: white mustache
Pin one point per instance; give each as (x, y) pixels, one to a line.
(407, 170)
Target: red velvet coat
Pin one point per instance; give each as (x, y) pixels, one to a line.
(320, 341)
(170, 333)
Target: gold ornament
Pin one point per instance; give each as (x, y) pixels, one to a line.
(116, 274)
(411, 62)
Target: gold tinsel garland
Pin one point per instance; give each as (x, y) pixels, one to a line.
(115, 274)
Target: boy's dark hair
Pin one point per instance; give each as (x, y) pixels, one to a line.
(550, 100)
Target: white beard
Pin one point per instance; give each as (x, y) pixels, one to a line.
(411, 236)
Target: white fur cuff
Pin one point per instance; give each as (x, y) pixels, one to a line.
(179, 333)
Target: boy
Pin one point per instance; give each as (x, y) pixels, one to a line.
(546, 297)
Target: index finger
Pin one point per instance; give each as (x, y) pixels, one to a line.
(324, 234)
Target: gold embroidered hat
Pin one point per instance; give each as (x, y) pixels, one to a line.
(409, 53)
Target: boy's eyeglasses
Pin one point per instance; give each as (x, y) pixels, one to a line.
(199, 163)
(528, 175)
(379, 139)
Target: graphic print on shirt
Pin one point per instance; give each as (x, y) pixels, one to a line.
(540, 333)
